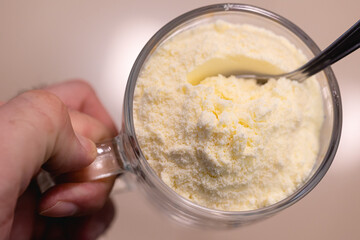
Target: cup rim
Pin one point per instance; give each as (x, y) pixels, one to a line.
(129, 127)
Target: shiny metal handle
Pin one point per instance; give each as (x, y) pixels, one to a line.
(341, 47)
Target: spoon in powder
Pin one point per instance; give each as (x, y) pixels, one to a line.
(341, 47)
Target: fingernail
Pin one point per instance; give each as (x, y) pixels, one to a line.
(87, 144)
(61, 209)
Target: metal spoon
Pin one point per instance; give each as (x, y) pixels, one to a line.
(341, 47)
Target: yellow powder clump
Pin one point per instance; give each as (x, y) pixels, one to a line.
(222, 142)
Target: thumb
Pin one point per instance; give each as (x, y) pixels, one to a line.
(36, 131)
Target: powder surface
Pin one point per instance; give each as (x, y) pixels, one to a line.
(222, 142)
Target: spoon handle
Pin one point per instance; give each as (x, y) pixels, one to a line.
(344, 45)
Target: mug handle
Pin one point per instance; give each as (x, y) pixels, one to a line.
(107, 163)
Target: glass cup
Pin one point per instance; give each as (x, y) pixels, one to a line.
(123, 153)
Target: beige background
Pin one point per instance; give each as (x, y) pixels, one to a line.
(42, 42)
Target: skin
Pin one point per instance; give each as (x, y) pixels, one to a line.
(54, 129)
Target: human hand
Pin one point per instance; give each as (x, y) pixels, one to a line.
(54, 129)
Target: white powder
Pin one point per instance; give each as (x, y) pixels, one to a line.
(227, 143)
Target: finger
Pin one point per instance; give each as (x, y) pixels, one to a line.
(46, 120)
(95, 225)
(75, 199)
(80, 96)
(80, 228)
(25, 215)
(89, 127)
(35, 127)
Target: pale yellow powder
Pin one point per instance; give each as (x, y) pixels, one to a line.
(227, 143)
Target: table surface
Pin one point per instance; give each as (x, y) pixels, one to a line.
(42, 42)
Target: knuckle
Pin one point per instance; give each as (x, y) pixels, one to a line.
(49, 109)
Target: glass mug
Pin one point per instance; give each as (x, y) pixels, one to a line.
(123, 153)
